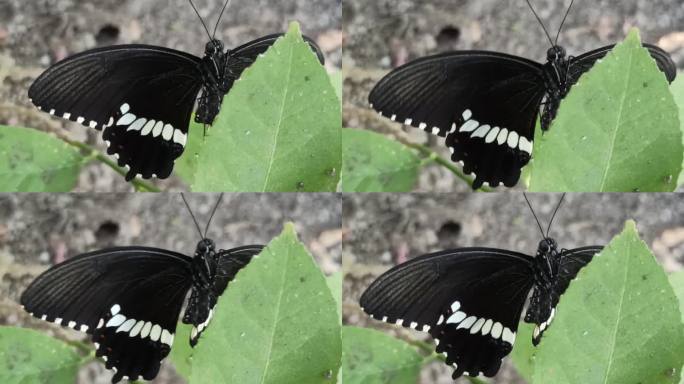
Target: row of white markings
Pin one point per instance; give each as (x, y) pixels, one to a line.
(145, 126)
(136, 327)
(490, 135)
(475, 324)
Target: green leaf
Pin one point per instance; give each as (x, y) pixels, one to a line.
(276, 323)
(523, 351)
(372, 357)
(337, 82)
(677, 88)
(278, 130)
(181, 353)
(33, 161)
(618, 322)
(374, 163)
(28, 356)
(677, 282)
(334, 282)
(616, 131)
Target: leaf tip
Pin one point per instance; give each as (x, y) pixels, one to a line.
(294, 28)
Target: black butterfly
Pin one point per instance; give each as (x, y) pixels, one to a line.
(486, 104)
(129, 299)
(470, 299)
(143, 96)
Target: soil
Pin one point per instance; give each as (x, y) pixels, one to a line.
(38, 230)
(382, 230)
(35, 34)
(381, 35)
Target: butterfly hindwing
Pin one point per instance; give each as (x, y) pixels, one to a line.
(142, 96)
(485, 103)
(543, 302)
(127, 298)
(202, 302)
(469, 300)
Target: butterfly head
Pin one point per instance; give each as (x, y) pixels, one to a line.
(547, 246)
(555, 53)
(205, 247)
(213, 47)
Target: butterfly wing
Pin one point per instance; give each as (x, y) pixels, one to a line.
(142, 96)
(238, 59)
(469, 300)
(581, 64)
(128, 299)
(485, 103)
(544, 300)
(202, 302)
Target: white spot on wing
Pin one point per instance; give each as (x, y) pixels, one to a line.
(513, 140)
(126, 119)
(467, 114)
(503, 136)
(158, 129)
(124, 108)
(146, 330)
(467, 323)
(492, 135)
(136, 329)
(525, 145)
(455, 306)
(126, 326)
(147, 128)
(167, 133)
(156, 332)
(456, 318)
(117, 320)
(481, 132)
(469, 126)
(496, 330)
(116, 308)
(477, 326)
(137, 125)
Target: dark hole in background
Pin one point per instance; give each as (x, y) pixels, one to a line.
(449, 231)
(448, 35)
(107, 231)
(107, 35)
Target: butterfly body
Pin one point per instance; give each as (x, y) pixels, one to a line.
(129, 299)
(470, 299)
(486, 104)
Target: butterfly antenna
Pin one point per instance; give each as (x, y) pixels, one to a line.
(533, 214)
(201, 20)
(218, 202)
(554, 214)
(540, 22)
(225, 5)
(191, 214)
(563, 22)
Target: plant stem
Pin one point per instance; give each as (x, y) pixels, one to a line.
(139, 185)
(445, 163)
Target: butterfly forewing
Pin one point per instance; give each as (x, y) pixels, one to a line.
(469, 299)
(583, 63)
(128, 299)
(486, 104)
(202, 302)
(142, 96)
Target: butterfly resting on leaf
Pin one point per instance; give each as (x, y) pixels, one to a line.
(470, 299)
(486, 104)
(142, 97)
(128, 299)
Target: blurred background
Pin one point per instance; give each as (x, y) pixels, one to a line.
(381, 35)
(37, 33)
(39, 230)
(383, 230)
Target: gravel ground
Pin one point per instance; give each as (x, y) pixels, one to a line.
(380, 35)
(383, 230)
(35, 34)
(39, 230)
